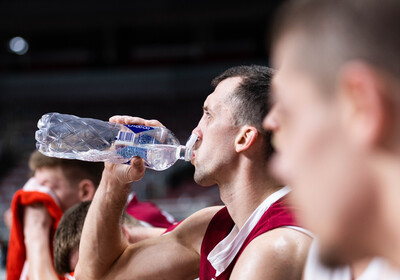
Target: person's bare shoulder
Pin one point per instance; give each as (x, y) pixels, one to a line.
(277, 254)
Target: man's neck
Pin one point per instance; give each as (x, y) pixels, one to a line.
(245, 191)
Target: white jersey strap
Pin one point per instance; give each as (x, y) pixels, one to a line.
(302, 230)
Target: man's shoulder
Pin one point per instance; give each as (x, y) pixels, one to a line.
(280, 241)
(278, 249)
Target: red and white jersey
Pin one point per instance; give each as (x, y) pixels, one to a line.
(315, 270)
(148, 213)
(223, 242)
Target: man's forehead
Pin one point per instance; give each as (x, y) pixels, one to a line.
(224, 89)
(213, 102)
(275, 85)
(207, 103)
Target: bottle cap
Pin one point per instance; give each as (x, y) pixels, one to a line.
(189, 146)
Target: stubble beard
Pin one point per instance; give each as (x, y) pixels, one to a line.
(202, 177)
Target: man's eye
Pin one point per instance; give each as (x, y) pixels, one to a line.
(207, 115)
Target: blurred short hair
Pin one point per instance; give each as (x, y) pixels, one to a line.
(74, 170)
(68, 235)
(332, 32)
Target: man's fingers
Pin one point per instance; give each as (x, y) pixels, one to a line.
(154, 123)
(128, 120)
(134, 120)
(136, 172)
(127, 174)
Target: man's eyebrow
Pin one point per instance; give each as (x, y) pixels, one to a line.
(206, 109)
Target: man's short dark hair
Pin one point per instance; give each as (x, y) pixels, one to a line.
(68, 235)
(335, 32)
(251, 96)
(74, 170)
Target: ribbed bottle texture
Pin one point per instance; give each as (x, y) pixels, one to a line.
(68, 136)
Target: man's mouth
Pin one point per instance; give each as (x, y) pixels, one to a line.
(193, 156)
(195, 150)
(274, 143)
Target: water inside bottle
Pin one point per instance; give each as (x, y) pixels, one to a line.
(157, 157)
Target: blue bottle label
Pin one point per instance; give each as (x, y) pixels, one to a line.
(125, 138)
(138, 128)
(123, 142)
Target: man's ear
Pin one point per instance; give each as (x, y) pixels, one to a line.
(86, 190)
(361, 89)
(245, 138)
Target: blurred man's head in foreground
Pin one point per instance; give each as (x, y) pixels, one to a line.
(336, 119)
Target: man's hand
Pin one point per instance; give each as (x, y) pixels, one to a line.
(126, 174)
(37, 222)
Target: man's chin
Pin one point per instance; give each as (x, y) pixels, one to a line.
(202, 182)
(202, 179)
(332, 259)
(334, 255)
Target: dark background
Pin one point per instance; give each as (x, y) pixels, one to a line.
(153, 59)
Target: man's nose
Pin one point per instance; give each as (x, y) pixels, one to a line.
(270, 123)
(198, 132)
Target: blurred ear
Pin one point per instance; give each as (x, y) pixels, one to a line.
(245, 138)
(361, 89)
(86, 190)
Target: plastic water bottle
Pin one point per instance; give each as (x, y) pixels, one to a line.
(68, 136)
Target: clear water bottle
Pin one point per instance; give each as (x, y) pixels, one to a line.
(68, 136)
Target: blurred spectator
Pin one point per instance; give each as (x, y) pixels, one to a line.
(68, 234)
(56, 185)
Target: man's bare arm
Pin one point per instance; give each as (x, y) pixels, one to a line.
(279, 254)
(37, 223)
(137, 233)
(104, 252)
(175, 255)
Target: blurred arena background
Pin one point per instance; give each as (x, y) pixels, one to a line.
(153, 59)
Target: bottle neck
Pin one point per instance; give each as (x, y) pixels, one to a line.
(181, 152)
(186, 152)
